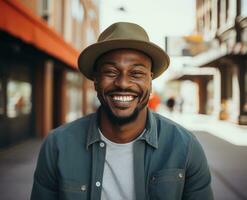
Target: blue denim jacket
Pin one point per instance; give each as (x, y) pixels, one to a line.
(169, 163)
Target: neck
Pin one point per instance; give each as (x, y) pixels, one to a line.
(123, 133)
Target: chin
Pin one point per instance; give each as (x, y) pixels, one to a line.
(121, 120)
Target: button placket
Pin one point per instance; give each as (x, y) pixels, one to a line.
(97, 168)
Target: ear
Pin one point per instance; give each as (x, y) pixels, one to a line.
(152, 74)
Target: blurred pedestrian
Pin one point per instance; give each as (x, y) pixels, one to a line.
(170, 103)
(123, 151)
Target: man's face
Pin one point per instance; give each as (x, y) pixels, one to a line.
(123, 83)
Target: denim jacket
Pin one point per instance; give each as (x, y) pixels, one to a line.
(169, 163)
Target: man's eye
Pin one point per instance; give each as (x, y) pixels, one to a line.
(137, 74)
(110, 73)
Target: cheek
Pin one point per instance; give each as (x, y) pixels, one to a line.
(102, 86)
(146, 85)
(146, 88)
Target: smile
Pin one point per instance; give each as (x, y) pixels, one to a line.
(123, 98)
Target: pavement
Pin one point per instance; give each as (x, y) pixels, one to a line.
(228, 164)
(228, 131)
(17, 164)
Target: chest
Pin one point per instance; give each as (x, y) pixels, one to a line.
(155, 175)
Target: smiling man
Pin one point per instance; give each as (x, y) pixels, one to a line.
(124, 151)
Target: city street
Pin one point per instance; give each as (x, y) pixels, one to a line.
(191, 59)
(227, 162)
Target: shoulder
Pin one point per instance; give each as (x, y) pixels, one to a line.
(179, 139)
(78, 123)
(73, 131)
(168, 128)
(172, 135)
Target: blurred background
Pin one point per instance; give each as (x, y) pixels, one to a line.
(204, 89)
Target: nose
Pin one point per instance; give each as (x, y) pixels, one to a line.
(122, 81)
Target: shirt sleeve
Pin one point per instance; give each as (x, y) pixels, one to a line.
(45, 184)
(198, 178)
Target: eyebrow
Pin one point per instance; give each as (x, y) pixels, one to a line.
(113, 63)
(108, 63)
(104, 63)
(139, 64)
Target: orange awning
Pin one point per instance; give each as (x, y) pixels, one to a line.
(22, 23)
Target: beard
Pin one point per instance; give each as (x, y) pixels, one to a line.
(126, 119)
(120, 120)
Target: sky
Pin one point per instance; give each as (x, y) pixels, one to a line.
(159, 18)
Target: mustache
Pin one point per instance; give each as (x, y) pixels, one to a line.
(122, 91)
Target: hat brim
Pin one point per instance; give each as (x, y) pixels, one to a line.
(87, 58)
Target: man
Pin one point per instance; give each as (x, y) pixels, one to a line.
(124, 151)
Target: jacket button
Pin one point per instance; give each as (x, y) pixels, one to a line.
(180, 175)
(83, 188)
(98, 184)
(102, 144)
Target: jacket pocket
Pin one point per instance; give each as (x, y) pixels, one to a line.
(73, 190)
(167, 184)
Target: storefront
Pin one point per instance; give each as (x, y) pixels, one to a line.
(40, 87)
(16, 90)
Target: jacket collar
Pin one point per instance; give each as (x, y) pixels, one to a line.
(150, 135)
(93, 134)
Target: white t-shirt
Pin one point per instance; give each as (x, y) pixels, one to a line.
(118, 177)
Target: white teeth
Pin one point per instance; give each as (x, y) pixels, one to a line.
(123, 98)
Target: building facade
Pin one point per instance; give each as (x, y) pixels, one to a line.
(40, 86)
(223, 25)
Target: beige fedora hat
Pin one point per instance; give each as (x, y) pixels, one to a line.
(123, 35)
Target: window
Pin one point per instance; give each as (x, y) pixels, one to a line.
(218, 13)
(77, 10)
(245, 91)
(45, 9)
(96, 2)
(1, 98)
(90, 36)
(244, 8)
(227, 9)
(74, 96)
(18, 98)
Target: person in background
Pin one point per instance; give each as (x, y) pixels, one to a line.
(124, 151)
(154, 101)
(170, 103)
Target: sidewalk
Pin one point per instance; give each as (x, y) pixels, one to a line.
(230, 132)
(17, 164)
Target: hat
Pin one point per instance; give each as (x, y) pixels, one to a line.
(123, 35)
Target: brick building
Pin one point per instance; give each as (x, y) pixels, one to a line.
(40, 86)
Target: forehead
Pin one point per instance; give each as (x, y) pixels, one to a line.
(125, 55)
